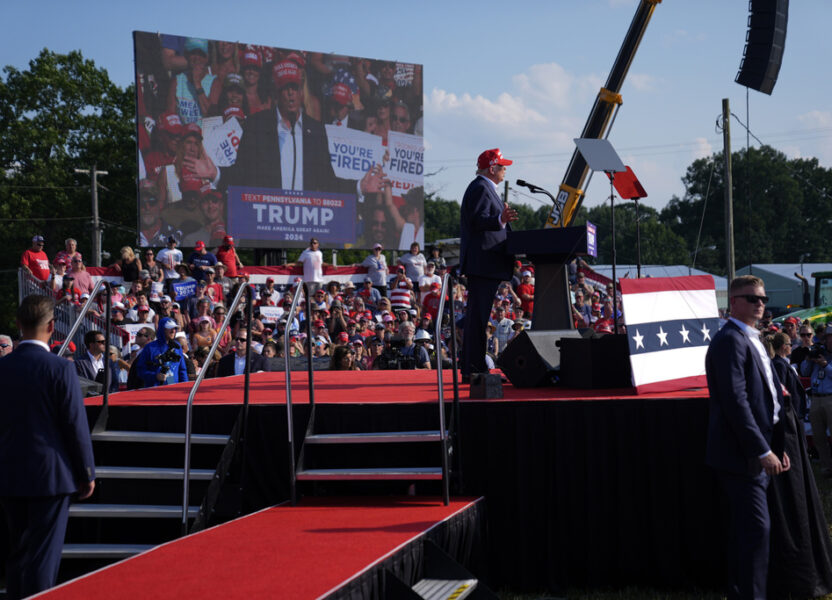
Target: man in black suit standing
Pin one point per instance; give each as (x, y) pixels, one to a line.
(45, 450)
(744, 438)
(483, 259)
(91, 365)
(235, 363)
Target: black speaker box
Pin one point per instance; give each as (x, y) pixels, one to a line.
(531, 358)
(602, 362)
(765, 42)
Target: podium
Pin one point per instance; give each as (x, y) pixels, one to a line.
(550, 250)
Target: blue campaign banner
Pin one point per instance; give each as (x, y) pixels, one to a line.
(184, 290)
(591, 240)
(273, 215)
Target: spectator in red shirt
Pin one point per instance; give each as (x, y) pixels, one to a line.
(227, 256)
(35, 261)
(431, 301)
(526, 292)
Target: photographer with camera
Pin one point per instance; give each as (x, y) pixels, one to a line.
(161, 362)
(405, 354)
(817, 366)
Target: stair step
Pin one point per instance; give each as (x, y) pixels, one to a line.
(381, 473)
(373, 438)
(152, 473)
(130, 510)
(103, 550)
(445, 589)
(157, 437)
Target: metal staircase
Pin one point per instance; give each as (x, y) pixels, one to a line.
(338, 442)
(122, 519)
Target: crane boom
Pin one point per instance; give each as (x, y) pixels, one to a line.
(600, 119)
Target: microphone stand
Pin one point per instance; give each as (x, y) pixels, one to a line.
(611, 175)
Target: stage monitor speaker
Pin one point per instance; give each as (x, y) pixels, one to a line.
(765, 42)
(531, 358)
(602, 362)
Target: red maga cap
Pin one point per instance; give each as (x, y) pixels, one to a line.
(492, 157)
(286, 72)
(171, 123)
(228, 240)
(251, 59)
(341, 94)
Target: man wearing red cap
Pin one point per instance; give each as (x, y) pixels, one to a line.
(200, 260)
(483, 226)
(228, 256)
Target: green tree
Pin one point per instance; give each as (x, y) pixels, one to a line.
(62, 113)
(441, 218)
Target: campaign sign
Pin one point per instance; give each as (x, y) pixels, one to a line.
(591, 240)
(270, 314)
(274, 215)
(133, 328)
(353, 152)
(184, 290)
(407, 159)
(222, 140)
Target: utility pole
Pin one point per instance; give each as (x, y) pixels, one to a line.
(96, 224)
(505, 194)
(729, 196)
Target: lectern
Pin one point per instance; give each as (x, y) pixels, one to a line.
(550, 250)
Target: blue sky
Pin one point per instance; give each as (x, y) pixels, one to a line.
(521, 76)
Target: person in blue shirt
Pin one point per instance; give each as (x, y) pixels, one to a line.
(818, 366)
(200, 260)
(153, 371)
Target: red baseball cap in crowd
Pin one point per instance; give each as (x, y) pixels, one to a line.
(492, 157)
(286, 72)
(269, 280)
(794, 320)
(171, 123)
(228, 240)
(55, 345)
(318, 323)
(297, 58)
(192, 183)
(343, 337)
(200, 245)
(435, 285)
(596, 306)
(251, 59)
(192, 129)
(341, 94)
(233, 111)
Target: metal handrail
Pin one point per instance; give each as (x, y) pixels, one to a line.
(189, 409)
(443, 434)
(289, 420)
(100, 285)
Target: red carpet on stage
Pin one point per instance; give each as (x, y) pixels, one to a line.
(305, 551)
(358, 387)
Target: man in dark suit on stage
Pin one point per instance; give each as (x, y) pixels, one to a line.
(234, 363)
(45, 450)
(744, 438)
(483, 259)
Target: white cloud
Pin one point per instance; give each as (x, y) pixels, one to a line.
(816, 118)
(506, 110)
(546, 84)
(703, 148)
(642, 82)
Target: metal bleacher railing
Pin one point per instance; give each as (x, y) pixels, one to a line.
(67, 315)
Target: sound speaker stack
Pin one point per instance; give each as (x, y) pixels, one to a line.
(765, 42)
(532, 358)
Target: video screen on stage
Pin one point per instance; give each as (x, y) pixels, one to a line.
(274, 146)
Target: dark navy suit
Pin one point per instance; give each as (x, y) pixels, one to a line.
(84, 368)
(485, 263)
(45, 454)
(741, 429)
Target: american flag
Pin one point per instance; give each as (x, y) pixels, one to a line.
(670, 322)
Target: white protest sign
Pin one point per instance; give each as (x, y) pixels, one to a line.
(353, 152)
(133, 329)
(407, 158)
(270, 314)
(222, 140)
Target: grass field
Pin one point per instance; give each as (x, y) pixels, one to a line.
(643, 593)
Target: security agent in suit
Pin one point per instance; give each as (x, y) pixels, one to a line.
(91, 365)
(744, 438)
(235, 363)
(45, 450)
(483, 225)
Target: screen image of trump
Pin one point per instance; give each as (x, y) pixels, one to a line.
(274, 146)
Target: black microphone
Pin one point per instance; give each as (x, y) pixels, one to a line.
(531, 186)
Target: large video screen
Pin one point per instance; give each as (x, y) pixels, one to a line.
(274, 146)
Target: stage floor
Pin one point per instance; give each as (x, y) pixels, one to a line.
(306, 551)
(360, 387)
